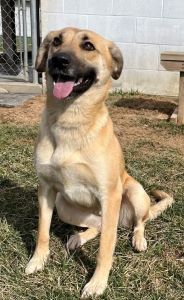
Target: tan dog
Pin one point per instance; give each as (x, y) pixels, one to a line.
(78, 157)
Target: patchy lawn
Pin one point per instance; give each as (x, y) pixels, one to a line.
(154, 152)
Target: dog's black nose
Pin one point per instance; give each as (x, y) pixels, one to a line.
(63, 60)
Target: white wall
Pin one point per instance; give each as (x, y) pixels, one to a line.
(141, 28)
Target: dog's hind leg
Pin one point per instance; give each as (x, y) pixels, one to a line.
(77, 216)
(79, 239)
(138, 241)
(139, 203)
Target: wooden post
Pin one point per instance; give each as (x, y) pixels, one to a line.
(174, 61)
(180, 119)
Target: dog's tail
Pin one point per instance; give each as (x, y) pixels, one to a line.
(164, 201)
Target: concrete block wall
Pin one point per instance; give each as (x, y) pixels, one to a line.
(141, 28)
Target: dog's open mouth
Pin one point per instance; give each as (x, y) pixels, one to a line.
(65, 86)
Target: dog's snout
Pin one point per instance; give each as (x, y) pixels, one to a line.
(63, 60)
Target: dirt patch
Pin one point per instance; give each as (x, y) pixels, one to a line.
(126, 113)
(129, 127)
(28, 113)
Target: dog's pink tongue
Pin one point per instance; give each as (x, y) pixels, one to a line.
(63, 89)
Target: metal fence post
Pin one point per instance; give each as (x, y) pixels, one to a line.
(20, 34)
(26, 75)
(34, 38)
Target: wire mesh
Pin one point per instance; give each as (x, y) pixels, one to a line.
(11, 38)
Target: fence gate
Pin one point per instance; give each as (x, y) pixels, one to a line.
(18, 39)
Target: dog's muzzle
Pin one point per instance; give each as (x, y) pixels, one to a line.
(70, 75)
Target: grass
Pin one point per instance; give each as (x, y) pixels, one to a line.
(168, 127)
(156, 274)
(120, 92)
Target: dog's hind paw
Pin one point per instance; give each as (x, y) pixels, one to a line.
(36, 263)
(79, 239)
(140, 244)
(75, 241)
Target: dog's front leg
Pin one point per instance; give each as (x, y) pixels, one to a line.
(46, 198)
(110, 217)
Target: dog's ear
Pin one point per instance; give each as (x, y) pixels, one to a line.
(117, 60)
(41, 59)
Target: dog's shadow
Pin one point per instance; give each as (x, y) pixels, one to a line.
(139, 103)
(19, 207)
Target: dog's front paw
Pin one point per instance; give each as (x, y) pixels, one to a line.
(140, 244)
(37, 263)
(95, 287)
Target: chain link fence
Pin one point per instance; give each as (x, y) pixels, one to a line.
(15, 39)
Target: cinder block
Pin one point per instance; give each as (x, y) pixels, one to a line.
(142, 8)
(48, 6)
(173, 9)
(53, 21)
(157, 82)
(123, 7)
(160, 31)
(101, 7)
(128, 55)
(118, 29)
(148, 8)
(128, 80)
(140, 56)
(149, 82)
(171, 48)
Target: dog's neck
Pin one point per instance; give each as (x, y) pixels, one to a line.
(75, 112)
(78, 121)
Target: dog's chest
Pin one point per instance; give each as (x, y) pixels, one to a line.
(72, 177)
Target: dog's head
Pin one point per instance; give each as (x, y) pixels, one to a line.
(77, 60)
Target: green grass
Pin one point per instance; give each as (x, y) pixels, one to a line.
(120, 92)
(168, 127)
(156, 274)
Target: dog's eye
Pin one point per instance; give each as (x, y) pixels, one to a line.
(56, 41)
(88, 46)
